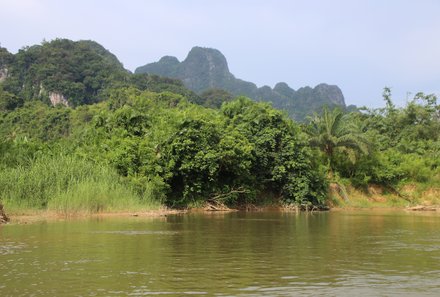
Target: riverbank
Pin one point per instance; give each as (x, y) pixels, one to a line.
(32, 217)
(35, 216)
(409, 198)
(376, 196)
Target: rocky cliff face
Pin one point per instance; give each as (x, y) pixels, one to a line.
(207, 68)
(203, 69)
(3, 74)
(58, 98)
(330, 93)
(6, 59)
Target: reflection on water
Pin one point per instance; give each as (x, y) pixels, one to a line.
(233, 254)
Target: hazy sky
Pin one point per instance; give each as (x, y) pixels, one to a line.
(361, 46)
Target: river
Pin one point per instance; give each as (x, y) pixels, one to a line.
(337, 253)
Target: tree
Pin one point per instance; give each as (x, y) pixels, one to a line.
(282, 160)
(9, 101)
(213, 98)
(330, 132)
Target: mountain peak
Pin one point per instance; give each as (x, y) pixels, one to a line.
(206, 51)
(208, 60)
(330, 92)
(207, 68)
(204, 68)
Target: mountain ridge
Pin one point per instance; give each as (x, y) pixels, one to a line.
(74, 73)
(207, 68)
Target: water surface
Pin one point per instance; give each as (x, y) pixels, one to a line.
(233, 254)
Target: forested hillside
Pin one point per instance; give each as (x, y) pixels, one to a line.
(124, 141)
(67, 72)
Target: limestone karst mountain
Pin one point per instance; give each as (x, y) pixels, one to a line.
(207, 68)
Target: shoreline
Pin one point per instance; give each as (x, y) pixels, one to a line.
(52, 216)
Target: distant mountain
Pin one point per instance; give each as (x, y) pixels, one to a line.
(61, 71)
(74, 73)
(207, 68)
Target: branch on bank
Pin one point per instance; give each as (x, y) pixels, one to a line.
(3, 217)
(217, 202)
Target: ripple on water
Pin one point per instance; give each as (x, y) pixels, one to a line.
(144, 292)
(136, 232)
(11, 247)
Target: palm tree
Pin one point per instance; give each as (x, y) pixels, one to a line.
(330, 132)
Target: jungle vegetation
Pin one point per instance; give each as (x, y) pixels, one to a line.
(140, 141)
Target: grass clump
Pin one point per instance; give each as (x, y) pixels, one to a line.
(69, 185)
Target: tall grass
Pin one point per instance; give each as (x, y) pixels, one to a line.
(68, 185)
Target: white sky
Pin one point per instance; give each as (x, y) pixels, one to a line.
(359, 45)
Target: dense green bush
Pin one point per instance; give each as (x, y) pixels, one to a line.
(404, 144)
(188, 154)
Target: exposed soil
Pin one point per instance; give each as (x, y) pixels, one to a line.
(43, 216)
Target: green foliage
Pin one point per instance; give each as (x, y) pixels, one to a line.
(332, 133)
(9, 101)
(214, 98)
(78, 70)
(93, 196)
(153, 83)
(192, 158)
(6, 58)
(65, 183)
(146, 143)
(165, 145)
(281, 158)
(37, 121)
(19, 151)
(405, 143)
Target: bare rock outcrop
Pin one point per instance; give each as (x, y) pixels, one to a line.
(3, 74)
(58, 98)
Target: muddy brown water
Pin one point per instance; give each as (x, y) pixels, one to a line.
(342, 253)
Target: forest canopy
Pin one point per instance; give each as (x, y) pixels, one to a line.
(163, 144)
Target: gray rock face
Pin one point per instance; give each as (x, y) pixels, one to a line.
(331, 93)
(58, 98)
(207, 68)
(204, 68)
(3, 74)
(283, 89)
